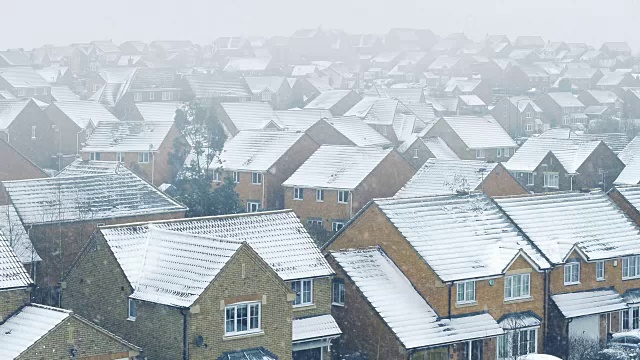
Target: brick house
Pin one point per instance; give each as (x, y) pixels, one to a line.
(210, 90)
(82, 196)
(626, 197)
(237, 289)
(444, 177)
(337, 181)
(260, 161)
(559, 164)
(274, 90)
(145, 147)
(582, 78)
(617, 81)
(32, 331)
(18, 167)
(251, 66)
(592, 252)
(147, 85)
(390, 117)
(518, 80)
(338, 102)
(520, 116)
(417, 150)
(346, 130)
(451, 66)
(456, 87)
(25, 82)
(631, 99)
(28, 129)
(473, 138)
(450, 262)
(603, 98)
(562, 109)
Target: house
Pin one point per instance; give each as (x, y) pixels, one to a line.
(451, 176)
(554, 70)
(616, 81)
(524, 56)
(15, 57)
(230, 268)
(451, 66)
(554, 164)
(28, 129)
(156, 111)
(606, 98)
(529, 42)
(251, 66)
(390, 117)
(478, 87)
(75, 122)
(417, 150)
(231, 46)
(25, 82)
(15, 283)
(562, 109)
(133, 47)
(338, 102)
(473, 138)
(614, 49)
(581, 78)
(471, 105)
(147, 85)
(366, 44)
(84, 194)
(518, 80)
(240, 116)
(108, 85)
(407, 96)
(56, 75)
(274, 90)
(451, 44)
(617, 142)
(145, 147)
(520, 116)
(591, 252)
(347, 130)
(62, 93)
(410, 39)
(260, 161)
(16, 234)
(462, 251)
(337, 181)
(631, 98)
(16, 166)
(210, 90)
(630, 175)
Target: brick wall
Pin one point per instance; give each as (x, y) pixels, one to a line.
(625, 206)
(321, 299)
(602, 158)
(41, 149)
(12, 300)
(424, 154)
(324, 134)
(70, 135)
(328, 210)
(500, 183)
(385, 180)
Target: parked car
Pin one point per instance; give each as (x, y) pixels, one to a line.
(539, 357)
(626, 340)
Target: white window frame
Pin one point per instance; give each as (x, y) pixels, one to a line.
(132, 310)
(342, 194)
(256, 178)
(94, 156)
(304, 292)
(468, 291)
(137, 96)
(167, 96)
(480, 154)
(265, 95)
(528, 115)
(337, 293)
(216, 176)
(236, 177)
(531, 179)
(33, 132)
(514, 335)
(600, 272)
(319, 195)
(152, 95)
(298, 193)
(572, 273)
(528, 127)
(337, 226)
(632, 315)
(631, 267)
(253, 206)
(498, 152)
(21, 91)
(233, 308)
(315, 222)
(415, 153)
(120, 157)
(548, 177)
(143, 157)
(517, 286)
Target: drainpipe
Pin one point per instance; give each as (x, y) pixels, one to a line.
(185, 345)
(545, 309)
(262, 204)
(449, 300)
(571, 181)
(350, 204)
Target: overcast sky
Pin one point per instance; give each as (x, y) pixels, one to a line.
(32, 23)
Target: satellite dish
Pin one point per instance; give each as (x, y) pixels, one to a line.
(199, 341)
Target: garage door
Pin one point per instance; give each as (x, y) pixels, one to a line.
(585, 327)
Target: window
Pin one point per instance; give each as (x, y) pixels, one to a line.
(466, 292)
(382, 130)
(600, 271)
(256, 178)
(21, 91)
(530, 178)
(167, 95)
(517, 343)
(304, 292)
(319, 195)
(528, 116)
(93, 66)
(528, 127)
(343, 197)
(236, 177)
(338, 292)
(242, 318)
(216, 176)
(517, 287)
(572, 274)
(137, 96)
(96, 87)
(94, 156)
(506, 152)
(152, 95)
(415, 153)
(630, 267)
(33, 132)
(472, 350)
(143, 157)
(120, 157)
(253, 206)
(551, 180)
(499, 152)
(315, 223)
(45, 91)
(266, 95)
(630, 318)
(133, 310)
(336, 226)
(480, 154)
(298, 194)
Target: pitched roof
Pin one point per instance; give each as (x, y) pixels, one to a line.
(612, 78)
(314, 327)
(327, 99)
(444, 62)
(357, 131)
(23, 77)
(13, 229)
(249, 354)
(471, 100)
(15, 58)
(127, 136)
(63, 93)
(84, 112)
(442, 177)
(406, 96)
(402, 308)
(630, 175)
(120, 193)
(205, 86)
(247, 64)
(439, 148)
(300, 119)
(337, 167)
(258, 84)
(9, 111)
(631, 152)
(149, 78)
(522, 102)
(571, 153)
(377, 111)
(90, 167)
(460, 237)
(12, 272)
(52, 73)
(251, 115)
(556, 222)
(604, 96)
(467, 85)
(580, 73)
(479, 132)
(255, 150)
(158, 111)
(565, 99)
(584, 303)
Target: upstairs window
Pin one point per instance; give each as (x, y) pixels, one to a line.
(33, 132)
(337, 226)
(551, 180)
(120, 157)
(415, 153)
(600, 271)
(517, 287)
(167, 96)
(143, 157)
(256, 178)
(21, 92)
(298, 194)
(253, 206)
(529, 115)
(266, 95)
(304, 292)
(528, 127)
(319, 195)
(338, 292)
(242, 318)
(133, 310)
(466, 292)
(343, 197)
(480, 154)
(94, 156)
(499, 152)
(530, 179)
(236, 177)
(572, 274)
(152, 95)
(137, 96)
(630, 267)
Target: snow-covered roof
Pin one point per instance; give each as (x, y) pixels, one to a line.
(565, 99)
(52, 73)
(358, 132)
(327, 99)
(471, 100)
(75, 198)
(631, 193)
(465, 86)
(251, 115)
(377, 111)
(480, 132)
(314, 327)
(460, 237)
(442, 177)
(9, 111)
(439, 148)
(615, 141)
(584, 303)
(402, 308)
(300, 119)
(13, 229)
(127, 136)
(337, 167)
(559, 222)
(278, 237)
(406, 96)
(632, 296)
(519, 320)
(249, 354)
(631, 152)
(247, 64)
(158, 111)
(12, 272)
(91, 167)
(23, 77)
(571, 153)
(256, 150)
(630, 175)
(84, 112)
(603, 96)
(304, 70)
(258, 84)
(405, 125)
(63, 93)
(612, 78)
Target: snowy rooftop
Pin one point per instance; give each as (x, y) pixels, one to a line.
(326, 100)
(373, 110)
(255, 150)
(315, 327)
(9, 110)
(23, 77)
(13, 230)
(78, 198)
(12, 272)
(630, 175)
(631, 152)
(247, 64)
(337, 167)
(127, 136)
(83, 112)
(615, 141)
(63, 93)
(357, 131)
(258, 84)
(278, 237)
(632, 194)
(158, 111)
(571, 153)
(442, 177)
(604, 96)
(471, 100)
(402, 308)
(249, 354)
(252, 115)
(480, 132)
(460, 237)
(299, 119)
(519, 320)
(586, 303)
(439, 148)
(556, 222)
(565, 99)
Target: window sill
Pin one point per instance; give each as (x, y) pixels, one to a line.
(131, 319)
(343, 203)
(304, 307)
(297, 199)
(600, 279)
(337, 304)
(572, 283)
(466, 304)
(518, 300)
(630, 278)
(242, 335)
(320, 201)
